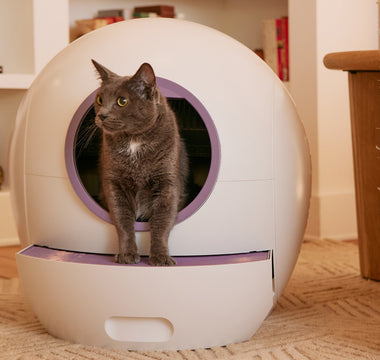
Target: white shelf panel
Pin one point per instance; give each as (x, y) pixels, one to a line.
(16, 81)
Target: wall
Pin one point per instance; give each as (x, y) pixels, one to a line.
(52, 15)
(303, 74)
(16, 51)
(322, 99)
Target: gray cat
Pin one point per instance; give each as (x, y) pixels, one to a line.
(143, 161)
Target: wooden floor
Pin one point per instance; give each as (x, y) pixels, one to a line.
(8, 268)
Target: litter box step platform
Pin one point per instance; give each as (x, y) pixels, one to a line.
(203, 301)
(101, 259)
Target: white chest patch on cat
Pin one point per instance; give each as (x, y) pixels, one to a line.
(134, 146)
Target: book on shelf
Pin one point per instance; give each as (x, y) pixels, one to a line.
(276, 46)
(103, 18)
(159, 10)
(111, 16)
(144, 14)
(106, 17)
(111, 13)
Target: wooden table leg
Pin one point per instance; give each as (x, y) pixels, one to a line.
(365, 122)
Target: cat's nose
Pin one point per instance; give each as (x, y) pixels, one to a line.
(102, 117)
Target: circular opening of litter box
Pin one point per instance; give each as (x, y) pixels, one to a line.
(197, 130)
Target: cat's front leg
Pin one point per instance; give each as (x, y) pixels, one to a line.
(128, 253)
(122, 210)
(161, 260)
(163, 217)
(127, 257)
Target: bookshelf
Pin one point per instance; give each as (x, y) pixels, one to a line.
(30, 46)
(240, 19)
(16, 81)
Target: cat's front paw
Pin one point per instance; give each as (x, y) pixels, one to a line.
(128, 258)
(161, 260)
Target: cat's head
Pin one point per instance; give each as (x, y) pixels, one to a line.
(126, 103)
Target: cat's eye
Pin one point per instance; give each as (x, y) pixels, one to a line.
(99, 100)
(121, 101)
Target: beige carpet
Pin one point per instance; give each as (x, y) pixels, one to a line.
(327, 312)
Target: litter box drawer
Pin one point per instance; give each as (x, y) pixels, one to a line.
(202, 302)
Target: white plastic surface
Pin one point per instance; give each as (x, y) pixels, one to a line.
(220, 227)
(292, 187)
(180, 307)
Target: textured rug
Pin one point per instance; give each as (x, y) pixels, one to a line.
(326, 312)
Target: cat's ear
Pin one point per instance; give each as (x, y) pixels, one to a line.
(146, 74)
(146, 80)
(103, 72)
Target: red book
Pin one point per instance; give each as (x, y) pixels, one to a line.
(285, 32)
(112, 19)
(279, 47)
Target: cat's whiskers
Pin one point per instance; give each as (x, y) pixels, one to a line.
(85, 137)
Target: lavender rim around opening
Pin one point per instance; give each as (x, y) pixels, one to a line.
(168, 89)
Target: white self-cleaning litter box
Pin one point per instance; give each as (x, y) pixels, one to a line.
(237, 240)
